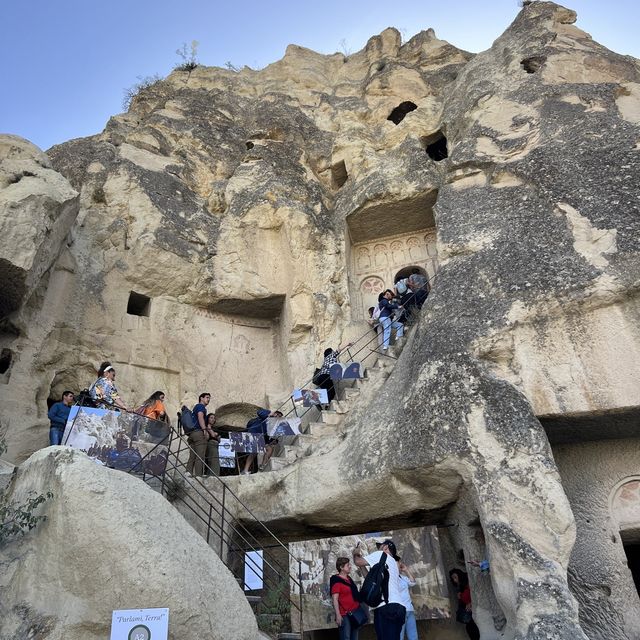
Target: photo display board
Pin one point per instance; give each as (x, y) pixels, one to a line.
(125, 441)
(419, 549)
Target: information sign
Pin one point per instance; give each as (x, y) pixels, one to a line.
(140, 624)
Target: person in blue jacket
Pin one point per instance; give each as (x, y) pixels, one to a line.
(58, 415)
(387, 309)
(258, 426)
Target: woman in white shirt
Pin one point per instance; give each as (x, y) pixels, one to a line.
(405, 582)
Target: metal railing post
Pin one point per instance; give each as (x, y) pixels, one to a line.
(223, 511)
(300, 587)
(163, 490)
(209, 522)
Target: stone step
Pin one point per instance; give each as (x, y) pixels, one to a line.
(317, 430)
(340, 406)
(378, 372)
(276, 463)
(352, 393)
(305, 440)
(291, 452)
(331, 417)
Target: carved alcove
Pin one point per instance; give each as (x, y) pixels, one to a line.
(388, 240)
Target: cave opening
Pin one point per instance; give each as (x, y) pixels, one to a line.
(398, 114)
(407, 271)
(6, 357)
(533, 64)
(339, 174)
(632, 551)
(436, 146)
(138, 305)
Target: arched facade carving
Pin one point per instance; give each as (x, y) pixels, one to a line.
(375, 263)
(363, 258)
(370, 288)
(380, 256)
(624, 505)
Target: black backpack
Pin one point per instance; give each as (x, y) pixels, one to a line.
(375, 587)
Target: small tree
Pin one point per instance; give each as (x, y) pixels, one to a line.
(189, 56)
(18, 517)
(143, 83)
(345, 48)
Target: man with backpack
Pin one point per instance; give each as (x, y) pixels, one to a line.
(197, 437)
(381, 589)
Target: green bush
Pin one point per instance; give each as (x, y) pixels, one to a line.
(18, 517)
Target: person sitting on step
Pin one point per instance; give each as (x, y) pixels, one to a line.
(258, 426)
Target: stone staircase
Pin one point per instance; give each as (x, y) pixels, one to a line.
(319, 426)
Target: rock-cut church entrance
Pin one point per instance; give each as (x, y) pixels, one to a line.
(388, 240)
(378, 265)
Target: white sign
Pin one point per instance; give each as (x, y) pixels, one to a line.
(140, 624)
(277, 427)
(225, 455)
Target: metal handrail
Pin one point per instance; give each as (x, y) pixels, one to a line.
(174, 432)
(229, 526)
(351, 358)
(200, 488)
(234, 526)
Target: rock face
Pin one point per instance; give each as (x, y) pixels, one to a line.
(232, 225)
(138, 550)
(37, 209)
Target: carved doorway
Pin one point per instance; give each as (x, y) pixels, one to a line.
(375, 265)
(625, 511)
(407, 271)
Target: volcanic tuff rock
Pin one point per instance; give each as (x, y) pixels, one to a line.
(237, 204)
(37, 208)
(215, 197)
(111, 526)
(537, 217)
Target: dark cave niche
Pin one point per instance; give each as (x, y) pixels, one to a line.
(436, 146)
(339, 174)
(532, 64)
(398, 114)
(5, 360)
(138, 304)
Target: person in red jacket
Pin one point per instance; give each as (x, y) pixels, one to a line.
(464, 615)
(343, 595)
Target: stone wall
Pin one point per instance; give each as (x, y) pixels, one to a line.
(592, 474)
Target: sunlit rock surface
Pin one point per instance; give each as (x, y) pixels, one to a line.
(254, 213)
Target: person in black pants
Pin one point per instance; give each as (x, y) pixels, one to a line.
(322, 379)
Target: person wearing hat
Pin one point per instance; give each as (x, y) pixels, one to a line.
(389, 616)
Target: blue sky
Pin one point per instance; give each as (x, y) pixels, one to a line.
(65, 63)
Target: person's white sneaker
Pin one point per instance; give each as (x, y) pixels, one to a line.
(245, 473)
(188, 475)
